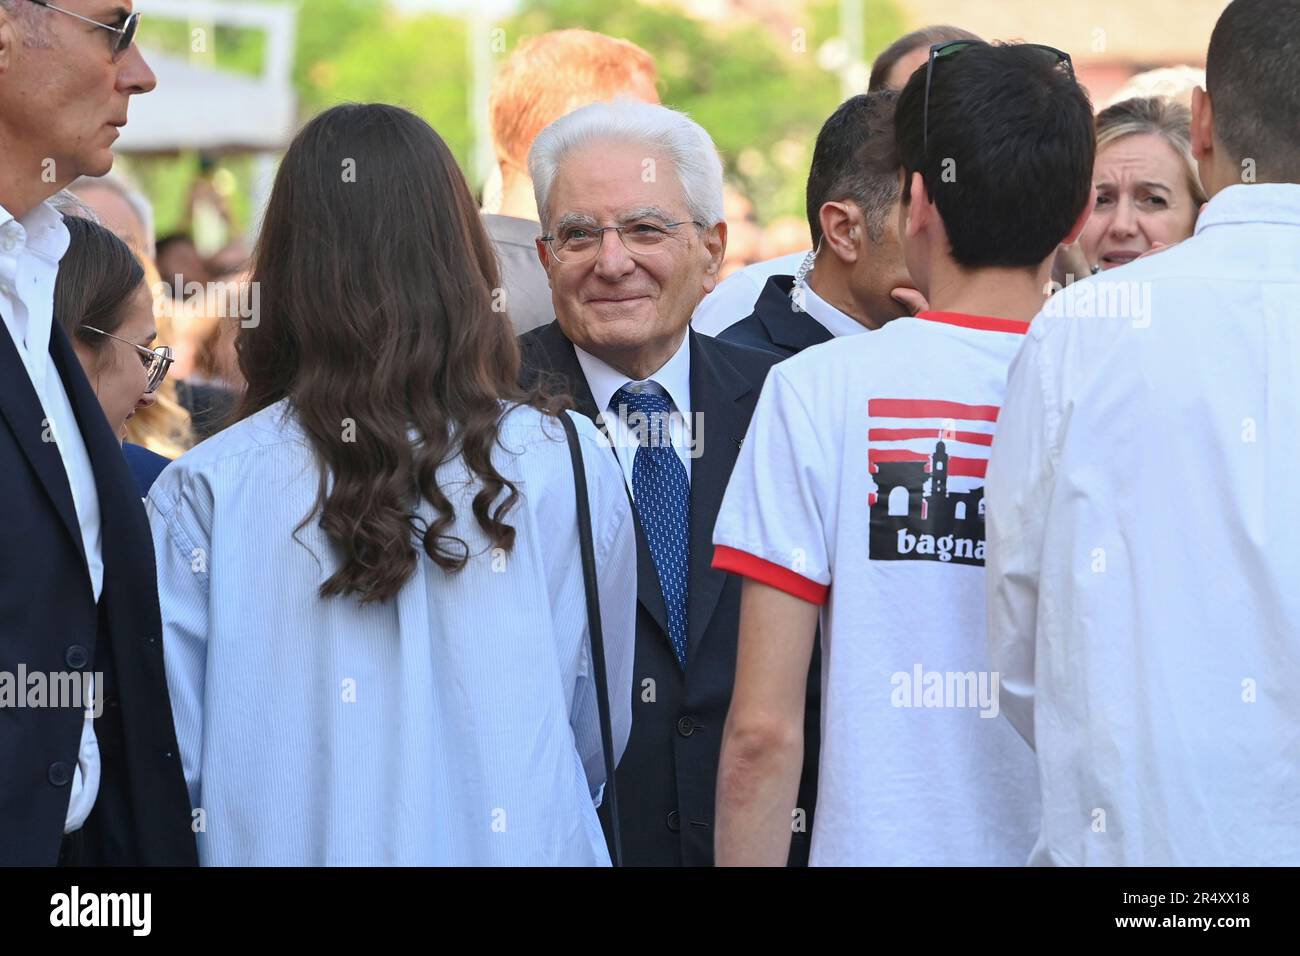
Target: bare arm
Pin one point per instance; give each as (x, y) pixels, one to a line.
(762, 745)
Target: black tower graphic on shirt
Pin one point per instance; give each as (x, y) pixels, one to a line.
(910, 522)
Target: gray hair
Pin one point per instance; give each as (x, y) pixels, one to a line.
(139, 204)
(684, 141)
(37, 33)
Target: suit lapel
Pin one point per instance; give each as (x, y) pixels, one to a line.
(557, 357)
(716, 390)
(21, 407)
(790, 330)
(127, 550)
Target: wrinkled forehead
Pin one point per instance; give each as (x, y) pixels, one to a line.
(614, 182)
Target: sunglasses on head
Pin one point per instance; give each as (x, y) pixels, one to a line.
(952, 47)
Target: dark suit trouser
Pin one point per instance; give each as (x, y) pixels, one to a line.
(70, 850)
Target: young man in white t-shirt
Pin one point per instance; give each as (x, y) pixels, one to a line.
(858, 495)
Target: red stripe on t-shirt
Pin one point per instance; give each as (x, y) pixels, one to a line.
(985, 323)
(966, 467)
(919, 408)
(907, 434)
(773, 575)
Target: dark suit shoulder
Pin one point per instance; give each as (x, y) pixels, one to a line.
(750, 332)
(753, 363)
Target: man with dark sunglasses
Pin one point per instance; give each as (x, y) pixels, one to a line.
(98, 780)
(857, 499)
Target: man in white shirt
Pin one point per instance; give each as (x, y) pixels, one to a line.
(737, 295)
(1144, 531)
(631, 200)
(859, 280)
(858, 500)
(78, 603)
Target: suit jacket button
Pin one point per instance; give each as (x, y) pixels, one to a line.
(77, 657)
(686, 726)
(60, 774)
(674, 821)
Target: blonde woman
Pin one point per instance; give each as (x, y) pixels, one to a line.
(1148, 190)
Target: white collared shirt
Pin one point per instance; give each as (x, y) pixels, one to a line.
(454, 724)
(672, 379)
(1144, 549)
(832, 319)
(30, 251)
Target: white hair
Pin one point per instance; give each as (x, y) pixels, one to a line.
(140, 205)
(1173, 82)
(686, 144)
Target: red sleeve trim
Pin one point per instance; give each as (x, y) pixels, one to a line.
(773, 575)
(986, 323)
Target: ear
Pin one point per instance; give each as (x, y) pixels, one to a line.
(1082, 221)
(843, 229)
(919, 211)
(1202, 126)
(715, 243)
(543, 256)
(8, 40)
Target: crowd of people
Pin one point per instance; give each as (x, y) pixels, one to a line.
(964, 537)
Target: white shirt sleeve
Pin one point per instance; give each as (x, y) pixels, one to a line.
(183, 554)
(1018, 492)
(773, 520)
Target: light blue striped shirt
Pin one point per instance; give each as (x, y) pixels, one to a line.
(455, 724)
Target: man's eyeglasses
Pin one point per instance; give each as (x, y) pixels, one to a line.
(125, 33)
(941, 50)
(576, 243)
(156, 361)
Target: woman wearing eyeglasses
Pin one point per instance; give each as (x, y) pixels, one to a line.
(105, 305)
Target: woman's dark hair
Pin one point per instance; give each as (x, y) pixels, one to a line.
(377, 284)
(97, 275)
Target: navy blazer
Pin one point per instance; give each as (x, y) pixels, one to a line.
(774, 325)
(50, 623)
(145, 466)
(667, 777)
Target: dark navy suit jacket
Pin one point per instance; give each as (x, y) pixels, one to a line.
(774, 325)
(145, 466)
(668, 775)
(49, 623)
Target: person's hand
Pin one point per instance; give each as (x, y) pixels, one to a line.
(910, 299)
(1070, 264)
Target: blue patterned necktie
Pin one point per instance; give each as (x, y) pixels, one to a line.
(662, 496)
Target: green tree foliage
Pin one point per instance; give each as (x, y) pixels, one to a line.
(761, 93)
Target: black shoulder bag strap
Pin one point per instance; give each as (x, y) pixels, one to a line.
(593, 629)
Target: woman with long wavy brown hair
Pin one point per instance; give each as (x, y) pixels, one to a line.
(372, 597)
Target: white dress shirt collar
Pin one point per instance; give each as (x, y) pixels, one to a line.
(1253, 203)
(41, 235)
(42, 230)
(835, 322)
(673, 377)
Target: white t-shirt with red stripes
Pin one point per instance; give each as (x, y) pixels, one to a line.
(860, 488)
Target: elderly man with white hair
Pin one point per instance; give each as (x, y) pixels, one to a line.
(630, 198)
